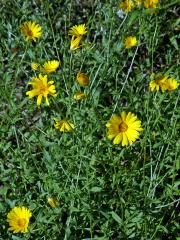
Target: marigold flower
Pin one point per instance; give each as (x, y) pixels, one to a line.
(124, 128)
(75, 42)
(151, 3)
(31, 30)
(79, 96)
(130, 42)
(78, 30)
(82, 79)
(41, 88)
(158, 82)
(35, 66)
(51, 66)
(64, 125)
(18, 219)
(171, 84)
(53, 202)
(126, 5)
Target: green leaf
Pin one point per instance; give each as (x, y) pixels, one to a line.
(116, 217)
(96, 189)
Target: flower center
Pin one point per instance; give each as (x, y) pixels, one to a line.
(29, 33)
(158, 81)
(21, 222)
(43, 89)
(123, 127)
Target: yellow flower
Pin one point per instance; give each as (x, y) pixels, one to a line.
(41, 88)
(158, 82)
(171, 84)
(75, 42)
(130, 42)
(78, 30)
(51, 66)
(31, 30)
(77, 33)
(79, 96)
(124, 128)
(53, 202)
(18, 219)
(82, 79)
(64, 125)
(126, 5)
(35, 66)
(151, 3)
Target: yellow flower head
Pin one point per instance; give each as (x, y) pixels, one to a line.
(82, 79)
(78, 30)
(18, 219)
(158, 82)
(151, 3)
(75, 42)
(41, 88)
(126, 5)
(35, 66)
(79, 96)
(171, 84)
(124, 128)
(51, 66)
(130, 42)
(53, 202)
(64, 125)
(31, 30)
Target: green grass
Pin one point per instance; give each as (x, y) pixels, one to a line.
(105, 191)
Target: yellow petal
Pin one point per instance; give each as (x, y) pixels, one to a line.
(118, 138)
(124, 139)
(39, 99)
(123, 116)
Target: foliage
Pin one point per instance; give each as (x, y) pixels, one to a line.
(104, 191)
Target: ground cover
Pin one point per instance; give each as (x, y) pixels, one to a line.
(81, 166)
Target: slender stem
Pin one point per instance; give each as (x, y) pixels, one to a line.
(127, 76)
(168, 204)
(53, 35)
(17, 72)
(170, 4)
(152, 45)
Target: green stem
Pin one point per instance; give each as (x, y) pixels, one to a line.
(17, 72)
(170, 4)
